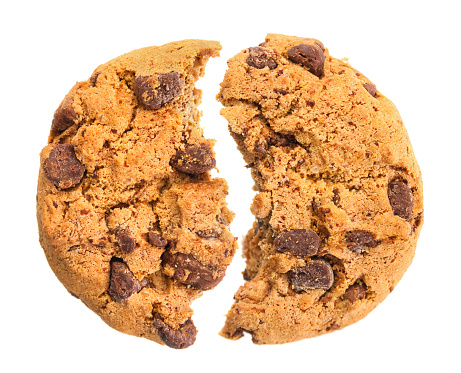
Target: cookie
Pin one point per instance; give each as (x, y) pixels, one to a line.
(339, 202)
(130, 219)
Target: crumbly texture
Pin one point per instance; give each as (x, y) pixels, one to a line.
(130, 219)
(339, 202)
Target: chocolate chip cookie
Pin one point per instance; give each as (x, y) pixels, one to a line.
(339, 202)
(130, 219)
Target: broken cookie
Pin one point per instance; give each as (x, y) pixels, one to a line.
(339, 203)
(130, 219)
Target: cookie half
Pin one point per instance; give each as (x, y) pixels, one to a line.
(339, 202)
(130, 219)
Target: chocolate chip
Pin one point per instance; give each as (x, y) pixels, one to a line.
(336, 198)
(279, 139)
(260, 223)
(123, 284)
(99, 243)
(358, 239)
(190, 271)
(355, 292)
(317, 274)
(280, 91)
(260, 58)
(319, 44)
(298, 242)
(180, 338)
(209, 233)
(324, 233)
(194, 159)
(220, 220)
(310, 56)
(169, 86)
(321, 212)
(261, 147)
(333, 327)
(62, 167)
(64, 117)
(237, 334)
(145, 282)
(94, 78)
(121, 205)
(417, 222)
(247, 276)
(157, 240)
(401, 199)
(240, 331)
(371, 88)
(124, 240)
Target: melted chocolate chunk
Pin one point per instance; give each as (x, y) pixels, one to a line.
(308, 55)
(190, 271)
(169, 86)
(194, 159)
(298, 242)
(317, 274)
(125, 240)
(261, 58)
(180, 338)
(371, 88)
(358, 239)
(123, 284)
(355, 292)
(62, 167)
(401, 199)
(157, 240)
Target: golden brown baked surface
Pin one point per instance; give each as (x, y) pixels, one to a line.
(339, 205)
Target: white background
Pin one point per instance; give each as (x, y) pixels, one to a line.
(409, 49)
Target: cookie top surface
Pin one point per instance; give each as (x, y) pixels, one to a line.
(130, 219)
(339, 203)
